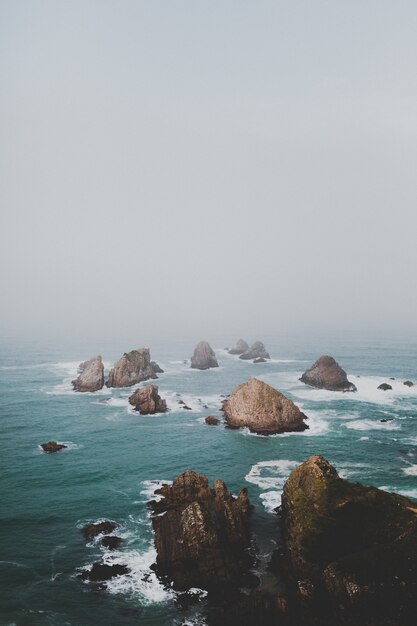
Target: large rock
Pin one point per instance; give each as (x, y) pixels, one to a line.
(100, 572)
(325, 373)
(240, 347)
(133, 368)
(262, 409)
(203, 357)
(90, 375)
(350, 551)
(256, 351)
(201, 534)
(148, 401)
(52, 446)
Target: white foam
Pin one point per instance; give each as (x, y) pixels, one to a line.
(149, 487)
(270, 475)
(368, 424)
(411, 470)
(408, 493)
(363, 439)
(271, 500)
(197, 403)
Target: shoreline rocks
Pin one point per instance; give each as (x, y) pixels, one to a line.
(262, 409)
(240, 347)
(52, 446)
(90, 375)
(90, 531)
(147, 401)
(204, 357)
(132, 368)
(326, 373)
(256, 351)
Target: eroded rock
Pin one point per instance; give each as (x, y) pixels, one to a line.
(204, 357)
(326, 373)
(134, 367)
(256, 351)
(147, 401)
(90, 375)
(212, 421)
(53, 446)
(240, 347)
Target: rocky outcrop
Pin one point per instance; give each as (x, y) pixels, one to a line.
(134, 367)
(385, 387)
(259, 360)
(408, 383)
(240, 347)
(90, 375)
(256, 351)
(53, 446)
(201, 533)
(203, 357)
(111, 542)
(350, 551)
(148, 401)
(90, 531)
(212, 421)
(100, 572)
(262, 409)
(325, 373)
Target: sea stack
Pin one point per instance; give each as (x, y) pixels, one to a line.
(240, 347)
(350, 551)
(133, 368)
(256, 351)
(201, 533)
(90, 375)
(203, 357)
(262, 409)
(147, 401)
(325, 373)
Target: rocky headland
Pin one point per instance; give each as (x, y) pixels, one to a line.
(147, 401)
(132, 368)
(204, 357)
(90, 375)
(326, 373)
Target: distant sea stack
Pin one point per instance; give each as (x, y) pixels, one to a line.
(133, 368)
(240, 347)
(262, 409)
(325, 373)
(203, 357)
(147, 401)
(256, 351)
(90, 375)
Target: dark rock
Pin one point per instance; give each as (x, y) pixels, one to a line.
(90, 375)
(101, 571)
(325, 373)
(240, 347)
(392, 378)
(98, 528)
(148, 401)
(203, 357)
(212, 421)
(408, 383)
(156, 368)
(134, 367)
(256, 351)
(385, 387)
(53, 446)
(111, 542)
(187, 408)
(262, 409)
(260, 360)
(387, 419)
(202, 536)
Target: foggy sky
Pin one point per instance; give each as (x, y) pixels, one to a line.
(204, 168)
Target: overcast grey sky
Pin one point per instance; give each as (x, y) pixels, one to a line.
(205, 168)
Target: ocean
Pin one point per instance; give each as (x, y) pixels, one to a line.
(116, 458)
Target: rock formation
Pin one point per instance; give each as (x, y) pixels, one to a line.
(262, 409)
(384, 387)
(90, 375)
(256, 351)
(408, 383)
(90, 531)
(350, 551)
(203, 357)
(133, 368)
(201, 534)
(148, 401)
(240, 347)
(212, 421)
(327, 374)
(111, 542)
(102, 571)
(53, 446)
(259, 360)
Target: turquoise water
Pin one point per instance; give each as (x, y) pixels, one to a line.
(114, 457)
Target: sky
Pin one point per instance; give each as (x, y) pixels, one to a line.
(202, 168)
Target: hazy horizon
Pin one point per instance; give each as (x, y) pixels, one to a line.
(203, 170)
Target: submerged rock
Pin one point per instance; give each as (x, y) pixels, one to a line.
(148, 401)
(384, 387)
(326, 373)
(111, 542)
(212, 421)
(102, 571)
(262, 409)
(256, 351)
(408, 383)
(203, 357)
(98, 528)
(259, 360)
(134, 367)
(53, 446)
(350, 551)
(201, 534)
(240, 347)
(90, 375)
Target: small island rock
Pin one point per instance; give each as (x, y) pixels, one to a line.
(408, 383)
(100, 572)
(212, 421)
(98, 528)
(256, 351)
(384, 387)
(262, 409)
(203, 357)
(326, 373)
(240, 347)
(147, 401)
(53, 446)
(133, 368)
(90, 375)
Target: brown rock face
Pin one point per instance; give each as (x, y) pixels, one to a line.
(201, 534)
(147, 401)
(262, 409)
(256, 351)
(91, 375)
(212, 421)
(240, 347)
(203, 357)
(53, 446)
(327, 374)
(133, 368)
(350, 550)
(98, 528)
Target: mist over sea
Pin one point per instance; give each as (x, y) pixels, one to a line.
(116, 458)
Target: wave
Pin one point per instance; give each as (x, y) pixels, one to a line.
(270, 475)
(411, 470)
(368, 424)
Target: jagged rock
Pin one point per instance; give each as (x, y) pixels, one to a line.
(148, 401)
(350, 551)
(325, 373)
(384, 387)
(90, 375)
(256, 351)
(111, 542)
(408, 383)
(53, 446)
(240, 347)
(156, 368)
(203, 357)
(201, 534)
(262, 409)
(102, 571)
(98, 528)
(259, 360)
(212, 421)
(133, 368)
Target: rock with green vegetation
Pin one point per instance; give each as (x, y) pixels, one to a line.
(133, 368)
(326, 373)
(262, 409)
(350, 551)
